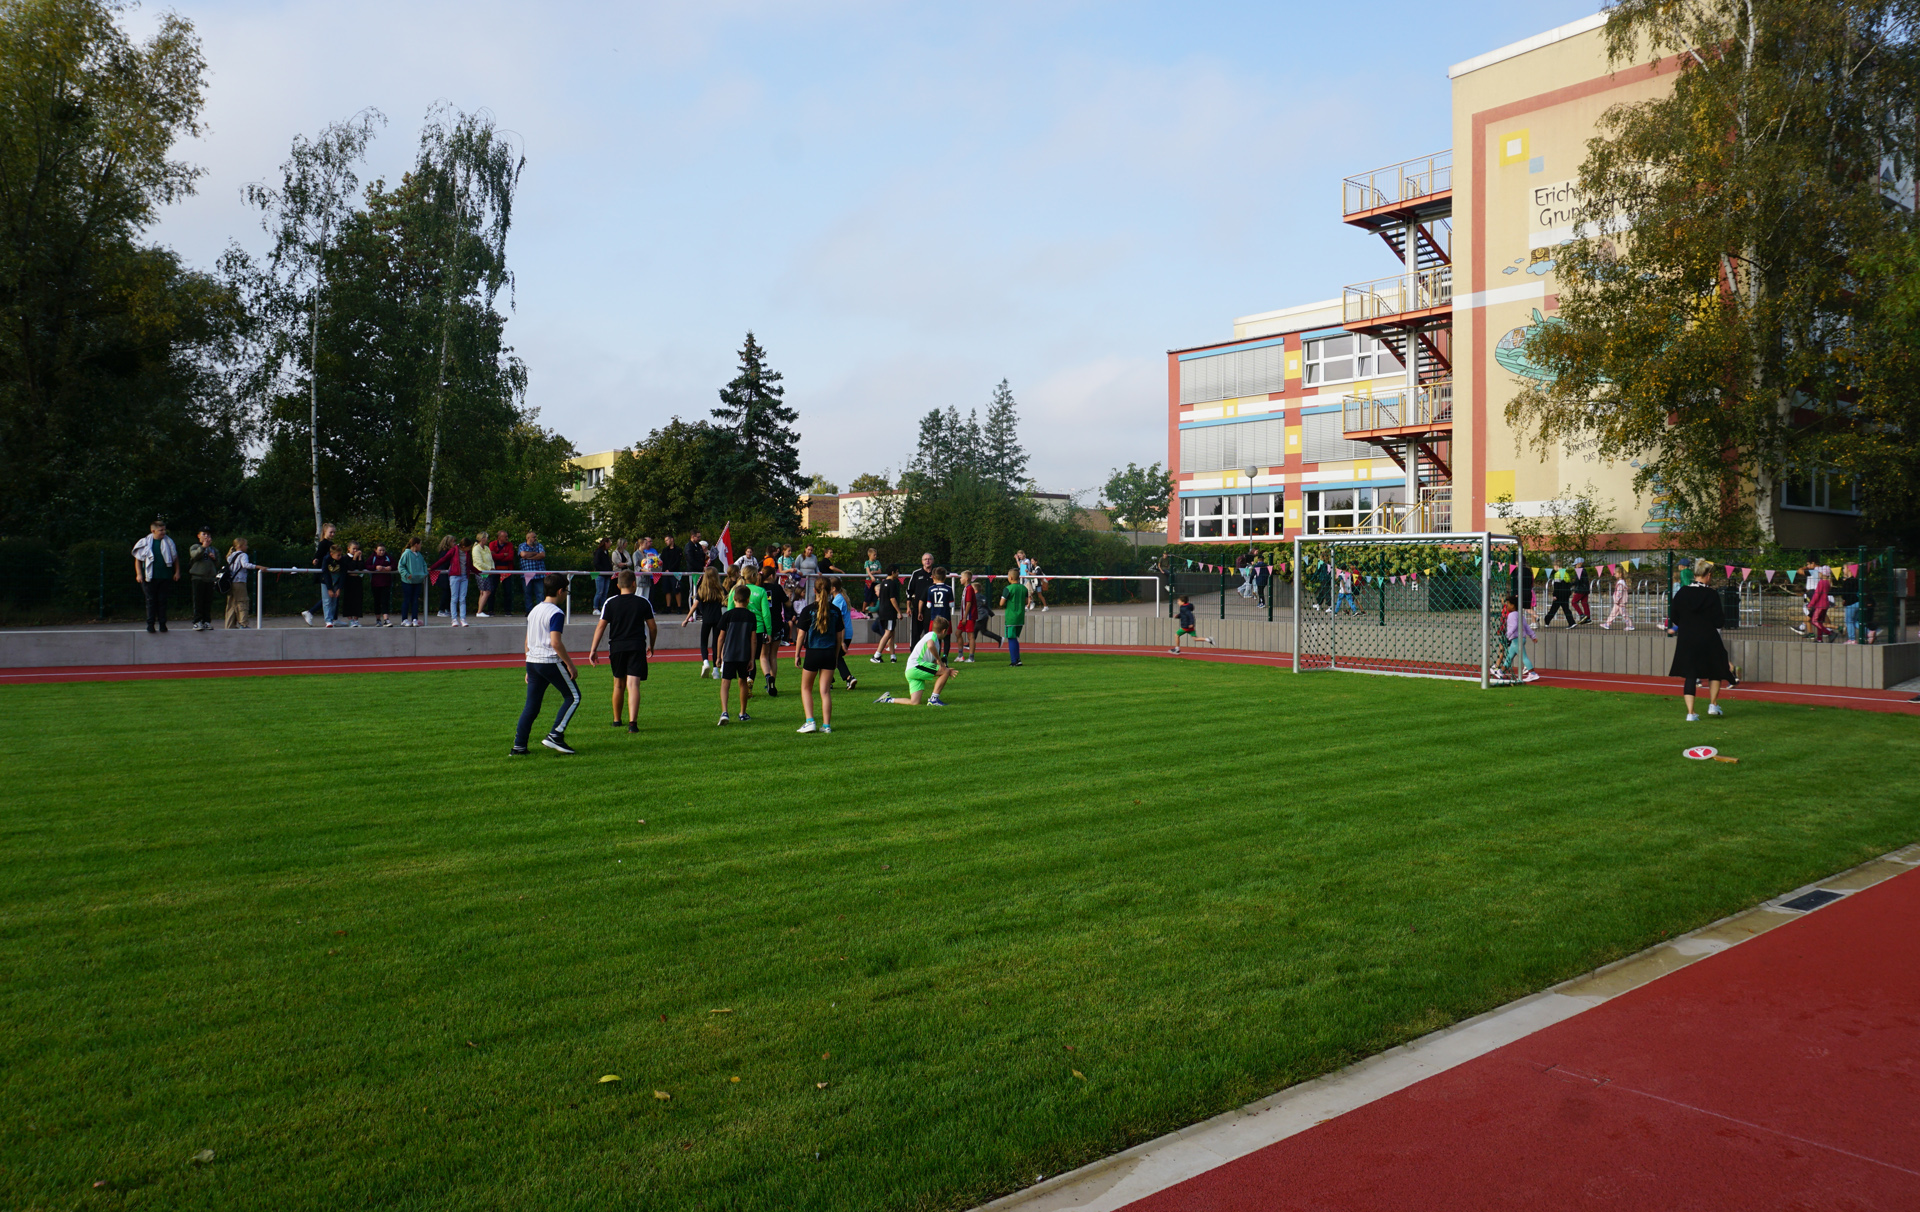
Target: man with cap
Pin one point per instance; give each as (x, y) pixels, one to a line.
(1582, 586)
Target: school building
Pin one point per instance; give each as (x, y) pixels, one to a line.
(1384, 410)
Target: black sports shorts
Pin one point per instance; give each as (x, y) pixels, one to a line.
(736, 671)
(630, 664)
(816, 660)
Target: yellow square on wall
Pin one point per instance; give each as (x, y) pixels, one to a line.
(1513, 146)
(1293, 437)
(1293, 365)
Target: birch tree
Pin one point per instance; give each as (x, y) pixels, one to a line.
(304, 215)
(471, 171)
(1708, 312)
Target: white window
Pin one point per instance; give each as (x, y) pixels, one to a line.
(1821, 491)
(1346, 358)
(1351, 510)
(1247, 515)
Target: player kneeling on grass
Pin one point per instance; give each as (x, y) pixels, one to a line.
(1187, 627)
(927, 670)
(548, 665)
(739, 642)
(823, 632)
(627, 621)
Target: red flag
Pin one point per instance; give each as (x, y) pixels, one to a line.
(724, 545)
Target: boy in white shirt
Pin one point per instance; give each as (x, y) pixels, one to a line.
(548, 664)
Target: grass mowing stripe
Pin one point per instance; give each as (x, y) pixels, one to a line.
(1208, 880)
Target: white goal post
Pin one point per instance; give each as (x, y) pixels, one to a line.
(1410, 605)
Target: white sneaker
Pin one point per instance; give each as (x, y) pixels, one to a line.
(1693, 717)
(355, 623)
(306, 616)
(441, 614)
(809, 726)
(1714, 709)
(482, 615)
(1532, 676)
(875, 660)
(329, 624)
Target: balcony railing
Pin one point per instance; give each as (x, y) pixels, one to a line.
(1431, 404)
(1401, 182)
(1364, 301)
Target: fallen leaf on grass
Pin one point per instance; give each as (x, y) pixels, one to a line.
(733, 1079)
(826, 1056)
(611, 1077)
(1069, 1047)
(663, 1018)
(100, 1184)
(331, 951)
(339, 931)
(819, 1085)
(471, 1044)
(719, 1012)
(203, 1157)
(662, 1095)
(1078, 1074)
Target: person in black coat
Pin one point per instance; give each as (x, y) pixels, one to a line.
(1694, 619)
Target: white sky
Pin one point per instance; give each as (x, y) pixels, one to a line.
(906, 203)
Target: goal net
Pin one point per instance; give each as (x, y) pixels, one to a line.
(1422, 605)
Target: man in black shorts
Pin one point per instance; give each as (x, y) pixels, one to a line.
(626, 620)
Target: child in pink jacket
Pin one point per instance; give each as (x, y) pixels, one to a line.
(1619, 610)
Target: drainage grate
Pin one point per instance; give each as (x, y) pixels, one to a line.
(1811, 900)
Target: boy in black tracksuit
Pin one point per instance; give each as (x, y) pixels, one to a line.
(739, 631)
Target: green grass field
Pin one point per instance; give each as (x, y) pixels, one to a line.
(323, 927)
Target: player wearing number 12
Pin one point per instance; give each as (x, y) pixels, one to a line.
(1013, 601)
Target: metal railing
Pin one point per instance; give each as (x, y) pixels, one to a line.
(1384, 297)
(1431, 404)
(1402, 182)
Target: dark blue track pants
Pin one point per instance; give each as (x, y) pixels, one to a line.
(539, 677)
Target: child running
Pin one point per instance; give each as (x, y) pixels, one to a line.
(548, 664)
(1187, 627)
(823, 630)
(739, 635)
(1013, 605)
(927, 670)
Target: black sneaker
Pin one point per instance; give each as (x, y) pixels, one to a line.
(619, 723)
(773, 692)
(634, 728)
(557, 743)
(517, 751)
(852, 682)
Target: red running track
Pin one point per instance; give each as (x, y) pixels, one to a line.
(1812, 696)
(1783, 1073)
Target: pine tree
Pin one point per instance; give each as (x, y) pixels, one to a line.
(753, 406)
(1001, 457)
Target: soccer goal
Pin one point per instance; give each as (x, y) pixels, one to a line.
(1417, 605)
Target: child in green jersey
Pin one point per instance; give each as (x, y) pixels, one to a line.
(927, 670)
(1013, 600)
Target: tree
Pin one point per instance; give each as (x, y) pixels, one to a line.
(753, 407)
(1002, 459)
(821, 486)
(317, 184)
(117, 396)
(678, 477)
(470, 173)
(1568, 524)
(1140, 496)
(1708, 312)
(867, 481)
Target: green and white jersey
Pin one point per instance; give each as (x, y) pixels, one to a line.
(926, 655)
(1015, 597)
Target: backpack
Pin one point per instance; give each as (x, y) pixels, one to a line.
(224, 578)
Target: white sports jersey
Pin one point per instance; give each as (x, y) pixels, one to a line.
(926, 653)
(542, 620)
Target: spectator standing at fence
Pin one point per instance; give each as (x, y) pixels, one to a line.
(330, 585)
(1850, 605)
(413, 582)
(673, 563)
(622, 558)
(156, 566)
(1619, 610)
(453, 561)
(533, 567)
(480, 561)
(602, 574)
(808, 566)
(697, 554)
(870, 596)
(381, 582)
(917, 585)
(506, 562)
(203, 571)
(1695, 619)
(352, 592)
(239, 567)
(1582, 587)
(322, 550)
(1262, 578)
